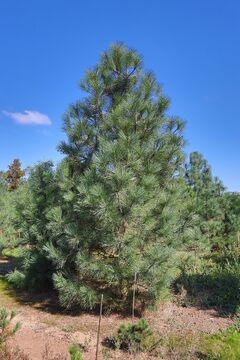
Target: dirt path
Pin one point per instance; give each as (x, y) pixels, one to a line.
(56, 331)
(43, 327)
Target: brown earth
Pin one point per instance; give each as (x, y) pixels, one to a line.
(44, 326)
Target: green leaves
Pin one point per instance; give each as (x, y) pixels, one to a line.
(75, 353)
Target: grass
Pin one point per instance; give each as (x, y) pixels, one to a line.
(50, 322)
(214, 283)
(7, 298)
(71, 328)
(222, 346)
(3, 285)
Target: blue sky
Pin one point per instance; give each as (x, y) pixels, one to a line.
(192, 46)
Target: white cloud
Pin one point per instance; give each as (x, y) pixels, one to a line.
(28, 117)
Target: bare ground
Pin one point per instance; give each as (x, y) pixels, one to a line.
(43, 327)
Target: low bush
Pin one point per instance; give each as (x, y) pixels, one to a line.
(222, 346)
(214, 284)
(75, 352)
(134, 337)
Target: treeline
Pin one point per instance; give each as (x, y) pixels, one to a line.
(123, 201)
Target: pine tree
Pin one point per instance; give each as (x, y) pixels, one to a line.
(231, 222)
(3, 184)
(9, 234)
(122, 211)
(32, 223)
(208, 200)
(14, 175)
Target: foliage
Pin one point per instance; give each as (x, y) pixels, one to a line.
(11, 205)
(231, 240)
(36, 270)
(12, 252)
(123, 195)
(222, 346)
(180, 345)
(208, 200)
(14, 175)
(75, 352)
(134, 337)
(17, 279)
(70, 293)
(215, 283)
(6, 330)
(121, 202)
(189, 345)
(2, 245)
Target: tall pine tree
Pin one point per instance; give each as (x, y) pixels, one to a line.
(122, 211)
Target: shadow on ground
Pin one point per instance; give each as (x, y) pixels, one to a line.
(219, 290)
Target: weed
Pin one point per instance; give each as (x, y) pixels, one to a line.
(222, 346)
(6, 330)
(106, 353)
(75, 352)
(49, 355)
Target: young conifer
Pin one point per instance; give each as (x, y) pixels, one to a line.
(123, 205)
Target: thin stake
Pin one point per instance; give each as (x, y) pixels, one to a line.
(134, 293)
(99, 326)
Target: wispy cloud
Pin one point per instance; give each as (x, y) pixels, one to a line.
(28, 117)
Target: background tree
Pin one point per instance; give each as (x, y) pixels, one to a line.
(32, 223)
(208, 201)
(3, 183)
(9, 234)
(14, 175)
(231, 241)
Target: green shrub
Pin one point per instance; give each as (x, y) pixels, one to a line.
(222, 346)
(6, 330)
(134, 337)
(214, 284)
(75, 352)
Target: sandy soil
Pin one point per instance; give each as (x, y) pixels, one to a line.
(56, 331)
(44, 326)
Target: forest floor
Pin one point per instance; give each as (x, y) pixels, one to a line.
(46, 329)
